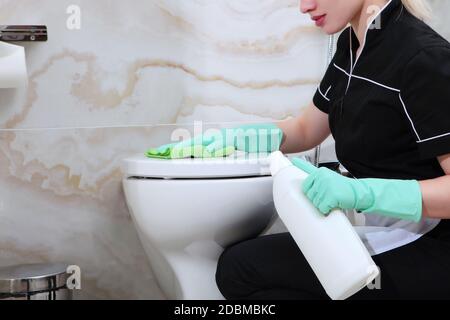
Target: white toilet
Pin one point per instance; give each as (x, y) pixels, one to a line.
(187, 211)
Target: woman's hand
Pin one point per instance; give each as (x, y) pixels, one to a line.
(257, 138)
(328, 190)
(253, 138)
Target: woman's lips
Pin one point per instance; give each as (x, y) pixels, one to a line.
(320, 20)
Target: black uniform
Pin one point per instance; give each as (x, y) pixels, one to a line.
(389, 112)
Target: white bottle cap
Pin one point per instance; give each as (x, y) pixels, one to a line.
(278, 162)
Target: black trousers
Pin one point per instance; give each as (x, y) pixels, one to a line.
(273, 268)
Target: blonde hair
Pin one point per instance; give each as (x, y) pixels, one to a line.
(419, 8)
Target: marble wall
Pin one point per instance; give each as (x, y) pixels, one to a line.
(130, 75)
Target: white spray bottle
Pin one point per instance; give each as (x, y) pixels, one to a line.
(330, 244)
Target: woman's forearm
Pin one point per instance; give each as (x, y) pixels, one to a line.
(436, 197)
(293, 138)
(305, 132)
(436, 193)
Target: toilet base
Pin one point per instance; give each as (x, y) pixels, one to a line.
(189, 274)
(196, 278)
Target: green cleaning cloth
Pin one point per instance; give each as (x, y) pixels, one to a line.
(254, 138)
(175, 151)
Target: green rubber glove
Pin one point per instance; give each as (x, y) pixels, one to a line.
(257, 138)
(254, 138)
(328, 190)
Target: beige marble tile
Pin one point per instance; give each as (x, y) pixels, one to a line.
(57, 205)
(149, 62)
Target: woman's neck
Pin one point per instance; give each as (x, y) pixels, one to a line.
(361, 21)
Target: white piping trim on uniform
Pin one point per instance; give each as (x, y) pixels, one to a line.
(366, 79)
(365, 35)
(324, 96)
(341, 69)
(410, 120)
(351, 61)
(436, 137)
(419, 140)
(353, 66)
(379, 84)
(414, 127)
(326, 93)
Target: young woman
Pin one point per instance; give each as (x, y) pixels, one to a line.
(386, 99)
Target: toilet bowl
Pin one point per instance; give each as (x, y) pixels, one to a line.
(187, 211)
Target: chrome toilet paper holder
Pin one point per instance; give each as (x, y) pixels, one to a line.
(21, 33)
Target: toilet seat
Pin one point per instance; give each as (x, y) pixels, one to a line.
(240, 164)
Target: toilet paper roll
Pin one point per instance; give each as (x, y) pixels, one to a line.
(13, 68)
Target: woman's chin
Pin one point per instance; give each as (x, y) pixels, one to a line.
(330, 30)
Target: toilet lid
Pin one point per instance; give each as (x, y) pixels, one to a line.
(239, 164)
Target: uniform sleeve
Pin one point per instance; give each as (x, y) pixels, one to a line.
(321, 99)
(425, 96)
